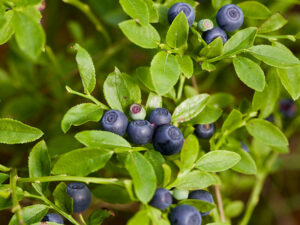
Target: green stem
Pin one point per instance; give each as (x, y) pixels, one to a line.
(180, 88)
(82, 219)
(276, 37)
(16, 206)
(4, 168)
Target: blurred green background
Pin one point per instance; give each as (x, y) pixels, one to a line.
(34, 93)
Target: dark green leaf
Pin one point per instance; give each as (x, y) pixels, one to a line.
(62, 199)
(254, 10)
(177, 34)
(31, 214)
(221, 100)
(108, 194)
(217, 4)
(202, 206)
(3, 177)
(156, 160)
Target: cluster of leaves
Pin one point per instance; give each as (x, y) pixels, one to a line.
(181, 53)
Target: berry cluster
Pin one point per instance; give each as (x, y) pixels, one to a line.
(229, 18)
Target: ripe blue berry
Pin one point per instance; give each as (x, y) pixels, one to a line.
(137, 112)
(115, 122)
(270, 118)
(210, 35)
(287, 107)
(245, 147)
(203, 196)
(160, 116)
(162, 199)
(81, 196)
(140, 132)
(205, 131)
(53, 217)
(185, 215)
(182, 7)
(180, 194)
(168, 140)
(230, 17)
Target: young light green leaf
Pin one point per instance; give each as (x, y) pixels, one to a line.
(167, 174)
(241, 40)
(209, 67)
(153, 101)
(121, 90)
(143, 176)
(249, 73)
(145, 36)
(267, 132)
(213, 49)
(153, 13)
(80, 114)
(98, 138)
(31, 214)
(233, 121)
(274, 56)
(29, 34)
(189, 153)
(86, 69)
(5, 196)
(62, 199)
(144, 75)
(165, 71)
(217, 4)
(246, 165)
(234, 209)
(7, 29)
(275, 22)
(39, 164)
(208, 115)
(157, 216)
(98, 216)
(221, 100)
(254, 10)
(202, 206)
(3, 177)
(190, 108)
(140, 218)
(189, 91)
(177, 34)
(217, 161)
(137, 9)
(290, 78)
(156, 160)
(82, 162)
(186, 65)
(15, 132)
(4, 168)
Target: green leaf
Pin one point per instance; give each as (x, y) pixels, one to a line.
(221, 100)
(7, 29)
(143, 176)
(177, 34)
(140, 218)
(217, 161)
(153, 13)
(4, 168)
(202, 206)
(108, 192)
(195, 180)
(80, 114)
(121, 90)
(156, 160)
(275, 22)
(143, 74)
(217, 4)
(234, 209)
(233, 121)
(241, 40)
(98, 138)
(209, 115)
(213, 49)
(29, 35)
(186, 65)
(98, 216)
(274, 56)
(136, 9)
(39, 164)
(5, 196)
(86, 69)
(266, 132)
(62, 199)
(290, 79)
(208, 66)
(254, 10)
(82, 162)
(246, 165)
(15, 132)
(154, 101)
(157, 216)
(167, 173)
(189, 153)
(190, 108)
(249, 73)
(31, 214)
(3, 177)
(145, 36)
(165, 71)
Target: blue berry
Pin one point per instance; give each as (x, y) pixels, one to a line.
(137, 112)
(182, 7)
(287, 107)
(81, 196)
(210, 35)
(53, 217)
(162, 199)
(168, 140)
(245, 147)
(205, 131)
(115, 122)
(230, 17)
(160, 116)
(270, 118)
(140, 132)
(185, 215)
(203, 196)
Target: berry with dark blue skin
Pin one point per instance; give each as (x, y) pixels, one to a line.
(182, 7)
(81, 196)
(140, 132)
(168, 140)
(162, 199)
(185, 215)
(245, 147)
(270, 118)
(203, 196)
(205, 131)
(115, 122)
(210, 35)
(287, 107)
(230, 17)
(53, 217)
(160, 116)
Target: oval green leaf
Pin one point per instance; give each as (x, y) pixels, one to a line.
(177, 34)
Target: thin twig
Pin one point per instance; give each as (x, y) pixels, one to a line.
(220, 203)
(195, 85)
